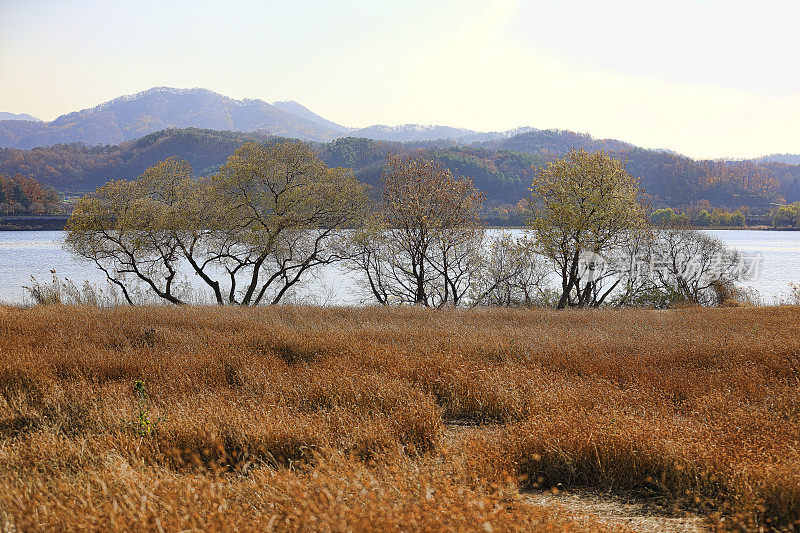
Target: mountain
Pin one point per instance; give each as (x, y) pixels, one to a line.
(4, 115)
(410, 132)
(788, 159)
(122, 137)
(419, 132)
(290, 106)
(554, 142)
(130, 117)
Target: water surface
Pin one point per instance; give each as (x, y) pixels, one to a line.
(34, 253)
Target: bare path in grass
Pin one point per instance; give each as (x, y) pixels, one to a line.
(613, 510)
(631, 514)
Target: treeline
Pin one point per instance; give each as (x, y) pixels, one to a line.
(679, 181)
(502, 174)
(502, 168)
(26, 196)
(701, 218)
(787, 216)
(274, 213)
(83, 168)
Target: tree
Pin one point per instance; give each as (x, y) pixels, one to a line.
(250, 233)
(513, 273)
(787, 215)
(423, 245)
(286, 210)
(26, 195)
(663, 216)
(119, 228)
(633, 266)
(737, 219)
(688, 265)
(586, 205)
(703, 219)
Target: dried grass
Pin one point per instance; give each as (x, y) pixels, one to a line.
(334, 419)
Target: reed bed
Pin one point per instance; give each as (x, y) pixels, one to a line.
(302, 418)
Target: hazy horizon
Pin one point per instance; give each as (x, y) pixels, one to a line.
(709, 79)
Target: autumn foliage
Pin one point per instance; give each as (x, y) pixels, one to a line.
(21, 195)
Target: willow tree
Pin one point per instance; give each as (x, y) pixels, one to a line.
(249, 233)
(586, 207)
(286, 211)
(125, 229)
(423, 244)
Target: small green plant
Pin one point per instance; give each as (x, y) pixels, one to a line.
(144, 426)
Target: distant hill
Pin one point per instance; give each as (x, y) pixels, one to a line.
(554, 142)
(410, 132)
(21, 195)
(503, 168)
(290, 106)
(130, 117)
(81, 168)
(672, 179)
(4, 115)
(418, 132)
(789, 159)
(121, 138)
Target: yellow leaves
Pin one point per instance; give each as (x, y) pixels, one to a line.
(589, 195)
(287, 184)
(162, 180)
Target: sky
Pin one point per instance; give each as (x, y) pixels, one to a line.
(707, 78)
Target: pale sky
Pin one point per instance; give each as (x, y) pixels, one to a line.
(707, 78)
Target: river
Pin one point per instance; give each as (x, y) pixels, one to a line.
(34, 253)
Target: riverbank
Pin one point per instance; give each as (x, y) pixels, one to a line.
(301, 417)
(51, 223)
(32, 223)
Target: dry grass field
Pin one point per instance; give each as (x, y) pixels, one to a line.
(297, 418)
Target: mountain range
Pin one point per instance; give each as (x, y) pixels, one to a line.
(133, 116)
(121, 138)
(502, 168)
(130, 117)
(5, 115)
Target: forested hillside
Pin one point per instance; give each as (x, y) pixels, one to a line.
(502, 168)
(77, 167)
(25, 196)
(673, 179)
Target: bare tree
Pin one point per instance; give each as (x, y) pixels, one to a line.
(688, 264)
(422, 246)
(513, 273)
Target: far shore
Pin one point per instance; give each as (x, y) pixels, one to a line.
(57, 222)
